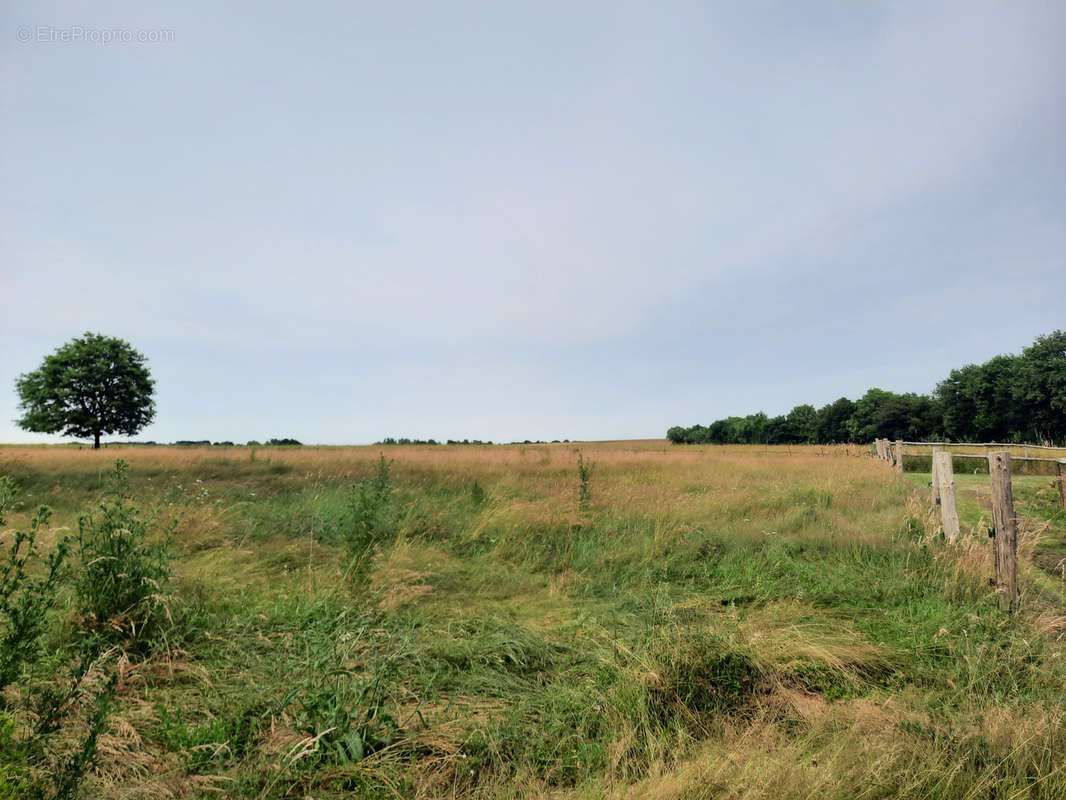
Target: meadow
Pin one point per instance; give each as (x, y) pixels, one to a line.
(490, 622)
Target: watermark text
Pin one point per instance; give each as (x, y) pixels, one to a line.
(69, 34)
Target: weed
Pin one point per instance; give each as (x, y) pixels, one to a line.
(343, 703)
(49, 761)
(25, 601)
(122, 574)
(8, 496)
(368, 508)
(212, 743)
(584, 477)
(24, 605)
(67, 777)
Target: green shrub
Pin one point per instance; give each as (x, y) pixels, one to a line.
(368, 517)
(36, 758)
(25, 601)
(122, 574)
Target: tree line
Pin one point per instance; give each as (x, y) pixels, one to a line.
(1009, 398)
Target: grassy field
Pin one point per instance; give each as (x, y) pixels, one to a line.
(706, 622)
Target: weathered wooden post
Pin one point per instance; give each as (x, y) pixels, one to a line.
(1058, 479)
(934, 485)
(899, 455)
(877, 448)
(945, 479)
(1006, 530)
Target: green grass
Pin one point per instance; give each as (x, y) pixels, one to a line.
(717, 622)
(1036, 502)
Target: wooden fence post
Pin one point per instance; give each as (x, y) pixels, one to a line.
(899, 455)
(1006, 531)
(1058, 479)
(877, 448)
(934, 484)
(945, 478)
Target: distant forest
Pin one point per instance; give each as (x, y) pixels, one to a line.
(1010, 398)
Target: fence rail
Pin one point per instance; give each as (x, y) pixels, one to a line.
(983, 456)
(997, 445)
(895, 452)
(1019, 452)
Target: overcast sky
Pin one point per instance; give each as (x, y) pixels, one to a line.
(342, 221)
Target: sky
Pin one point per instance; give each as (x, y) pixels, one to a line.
(343, 221)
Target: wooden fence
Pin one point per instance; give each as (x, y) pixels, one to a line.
(1019, 452)
(896, 452)
(1005, 522)
(1004, 530)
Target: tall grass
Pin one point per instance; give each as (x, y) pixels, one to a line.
(721, 621)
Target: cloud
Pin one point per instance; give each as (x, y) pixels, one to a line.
(733, 191)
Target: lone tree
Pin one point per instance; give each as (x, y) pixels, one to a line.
(92, 385)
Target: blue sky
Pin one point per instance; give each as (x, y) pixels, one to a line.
(527, 220)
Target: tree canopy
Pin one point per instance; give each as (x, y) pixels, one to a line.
(92, 385)
(1009, 398)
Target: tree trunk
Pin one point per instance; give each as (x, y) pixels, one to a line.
(96, 440)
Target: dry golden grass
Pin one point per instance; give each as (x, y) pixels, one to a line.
(801, 531)
(636, 459)
(648, 477)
